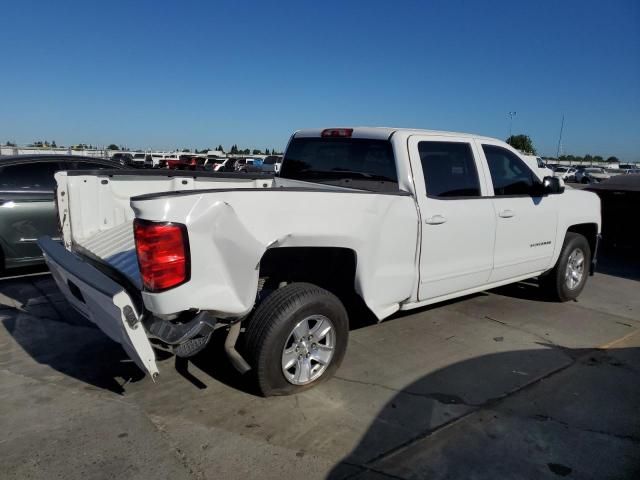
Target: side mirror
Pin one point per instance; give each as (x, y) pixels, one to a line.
(552, 186)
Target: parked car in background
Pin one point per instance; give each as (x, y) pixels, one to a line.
(538, 166)
(124, 158)
(592, 175)
(214, 164)
(27, 208)
(191, 162)
(229, 165)
(153, 160)
(247, 165)
(272, 164)
(138, 159)
(565, 173)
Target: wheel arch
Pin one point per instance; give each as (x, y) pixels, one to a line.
(317, 265)
(587, 230)
(332, 268)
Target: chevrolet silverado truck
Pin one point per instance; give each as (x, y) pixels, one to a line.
(390, 219)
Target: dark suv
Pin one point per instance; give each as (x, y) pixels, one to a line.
(27, 209)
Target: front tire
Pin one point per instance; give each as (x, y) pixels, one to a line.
(569, 276)
(296, 339)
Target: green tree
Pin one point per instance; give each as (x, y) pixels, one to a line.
(234, 148)
(522, 142)
(598, 158)
(256, 152)
(613, 159)
(10, 144)
(220, 149)
(246, 151)
(113, 146)
(53, 144)
(266, 151)
(186, 150)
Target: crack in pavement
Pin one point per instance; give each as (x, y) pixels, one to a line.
(546, 418)
(487, 405)
(442, 398)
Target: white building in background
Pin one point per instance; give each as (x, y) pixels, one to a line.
(4, 150)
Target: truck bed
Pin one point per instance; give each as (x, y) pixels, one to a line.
(116, 246)
(96, 215)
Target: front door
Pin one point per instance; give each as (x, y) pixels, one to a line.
(458, 220)
(526, 220)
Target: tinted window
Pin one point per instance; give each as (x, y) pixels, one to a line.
(449, 169)
(37, 176)
(509, 174)
(349, 162)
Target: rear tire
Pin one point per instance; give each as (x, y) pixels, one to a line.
(296, 339)
(569, 276)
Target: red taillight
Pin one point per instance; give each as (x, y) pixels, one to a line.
(337, 132)
(163, 254)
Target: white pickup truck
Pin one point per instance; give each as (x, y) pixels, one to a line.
(393, 219)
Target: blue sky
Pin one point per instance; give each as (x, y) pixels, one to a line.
(195, 74)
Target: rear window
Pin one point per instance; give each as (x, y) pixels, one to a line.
(347, 162)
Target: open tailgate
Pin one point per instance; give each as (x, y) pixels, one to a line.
(101, 300)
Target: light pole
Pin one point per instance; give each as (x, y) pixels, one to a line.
(511, 115)
(560, 139)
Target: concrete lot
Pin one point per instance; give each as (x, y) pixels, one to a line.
(496, 385)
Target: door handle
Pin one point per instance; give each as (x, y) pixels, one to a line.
(507, 213)
(435, 220)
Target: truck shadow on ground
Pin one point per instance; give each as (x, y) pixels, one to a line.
(83, 353)
(506, 415)
(52, 333)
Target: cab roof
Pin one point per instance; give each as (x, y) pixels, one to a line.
(384, 133)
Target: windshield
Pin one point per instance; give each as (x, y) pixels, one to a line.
(348, 162)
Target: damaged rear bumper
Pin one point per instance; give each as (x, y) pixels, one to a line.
(119, 312)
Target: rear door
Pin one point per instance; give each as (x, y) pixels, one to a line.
(27, 209)
(526, 221)
(458, 221)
